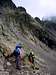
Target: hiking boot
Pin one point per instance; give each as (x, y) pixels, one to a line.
(18, 68)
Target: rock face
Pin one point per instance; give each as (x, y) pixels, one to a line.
(48, 32)
(50, 28)
(13, 23)
(22, 9)
(7, 3)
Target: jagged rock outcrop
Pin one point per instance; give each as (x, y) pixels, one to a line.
(22, 9)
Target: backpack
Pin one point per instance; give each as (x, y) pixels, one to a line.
(17, 51)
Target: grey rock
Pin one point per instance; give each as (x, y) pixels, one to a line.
(4, 73)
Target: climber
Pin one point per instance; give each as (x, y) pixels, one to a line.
(31, 58)
(17, 55)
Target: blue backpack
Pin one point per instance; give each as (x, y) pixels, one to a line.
(17, 51)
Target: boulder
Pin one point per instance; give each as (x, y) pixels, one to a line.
(5, 50)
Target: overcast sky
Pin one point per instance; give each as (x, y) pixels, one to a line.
(38, 8)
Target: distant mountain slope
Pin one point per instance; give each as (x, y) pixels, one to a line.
(48, 32)
(50, 27)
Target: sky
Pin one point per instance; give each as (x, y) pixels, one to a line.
(38, 8)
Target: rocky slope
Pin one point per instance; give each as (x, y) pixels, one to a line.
(48, 33)
(16, 25)
(15, 22)
(51, 29)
